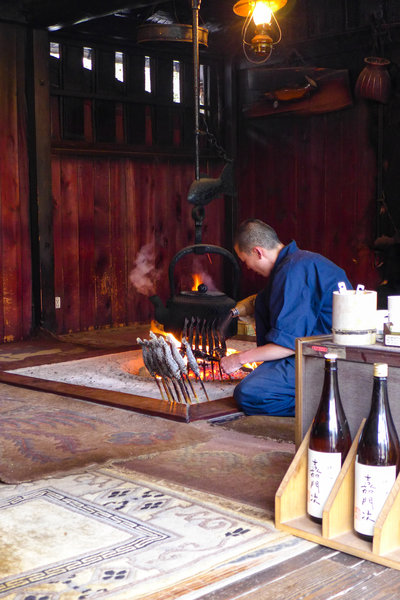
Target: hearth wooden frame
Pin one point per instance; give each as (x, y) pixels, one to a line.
(145, 405)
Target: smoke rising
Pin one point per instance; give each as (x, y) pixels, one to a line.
(144, 275)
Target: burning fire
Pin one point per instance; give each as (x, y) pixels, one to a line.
(207, 370)
(196, 281)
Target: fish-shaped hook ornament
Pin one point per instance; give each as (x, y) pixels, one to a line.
(205, 189)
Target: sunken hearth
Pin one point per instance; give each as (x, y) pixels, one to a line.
(121, 380)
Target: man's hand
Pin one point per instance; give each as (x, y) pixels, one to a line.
(231, 363)
(246, 306)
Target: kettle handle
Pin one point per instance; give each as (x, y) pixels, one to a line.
(205, 249)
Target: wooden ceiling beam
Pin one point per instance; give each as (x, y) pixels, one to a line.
(59, 13)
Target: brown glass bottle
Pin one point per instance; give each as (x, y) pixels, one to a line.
(330, 441)
(377, 462)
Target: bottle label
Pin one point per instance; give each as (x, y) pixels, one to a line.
(323, 469)
(371, 488)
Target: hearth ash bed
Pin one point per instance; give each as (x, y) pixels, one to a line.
(120, 379)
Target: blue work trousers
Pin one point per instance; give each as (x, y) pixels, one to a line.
(269, 389)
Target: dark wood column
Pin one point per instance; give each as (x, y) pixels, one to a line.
(15, 248)
(40, 181)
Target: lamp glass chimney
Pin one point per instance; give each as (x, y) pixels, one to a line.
(262, 14)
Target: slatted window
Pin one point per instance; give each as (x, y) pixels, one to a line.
(123, 96)
(147, 74)
(87, 60)
(176, 81)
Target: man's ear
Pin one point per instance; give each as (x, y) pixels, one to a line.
(258, 252)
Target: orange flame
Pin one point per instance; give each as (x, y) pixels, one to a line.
(158, 329)
(196, 281)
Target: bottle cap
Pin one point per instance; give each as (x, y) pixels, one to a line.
(330, 356)
(380, 370)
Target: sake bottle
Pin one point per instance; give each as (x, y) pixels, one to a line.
(377, 460)
(330, 441)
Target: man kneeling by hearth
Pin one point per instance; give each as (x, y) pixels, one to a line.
(296, 302)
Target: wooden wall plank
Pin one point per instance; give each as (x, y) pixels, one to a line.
(102, 266)
(335, 212)
(164, 217)
(70, 244)
(133, 299)
(86, 243)
(58, 242)
(119, 217)
(365, 203)
(312, 186)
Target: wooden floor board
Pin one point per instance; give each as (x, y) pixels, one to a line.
(383, 586)
(265, 579)
(319, 574)
(319, 581)
(349, 560)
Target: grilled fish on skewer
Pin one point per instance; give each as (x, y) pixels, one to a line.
(176, 354)
(158, 369)
(181, 363)
(159, 357)
(173, 367)
(193, 365)
(169, 369)
(148, 363)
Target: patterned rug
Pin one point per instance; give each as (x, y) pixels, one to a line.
(101, 533)
(43, 435)
(237, 466)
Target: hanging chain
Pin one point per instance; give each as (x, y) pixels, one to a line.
(214, 142)
(379, 31)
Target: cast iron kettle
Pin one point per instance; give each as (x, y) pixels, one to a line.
(200, 303)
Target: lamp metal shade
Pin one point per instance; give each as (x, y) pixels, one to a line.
(243, 8)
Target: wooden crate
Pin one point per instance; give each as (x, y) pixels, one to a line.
(336, 530)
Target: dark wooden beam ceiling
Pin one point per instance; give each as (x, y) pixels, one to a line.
(118, 20)
(53, 13)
